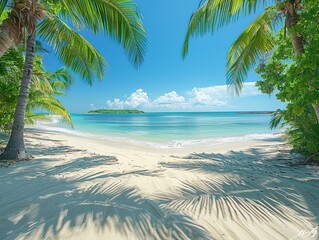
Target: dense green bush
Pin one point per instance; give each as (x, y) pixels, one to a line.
(295, 80)
(44, 88)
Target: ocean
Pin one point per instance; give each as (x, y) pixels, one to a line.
(170, 128)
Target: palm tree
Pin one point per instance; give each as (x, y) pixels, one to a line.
(256, 40)
(119, 19)
(44, 87)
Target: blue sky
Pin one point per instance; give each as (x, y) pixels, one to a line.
(166, 82)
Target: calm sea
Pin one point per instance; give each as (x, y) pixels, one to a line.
(170, 127)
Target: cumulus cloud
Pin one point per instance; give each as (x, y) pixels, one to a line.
(208, 98)
(116, 103)
(221, 92)
(199, 96)
(139, 98)
(169, 98)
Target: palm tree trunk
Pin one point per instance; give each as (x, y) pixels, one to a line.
(292, 19)
(15, 148)
(10, 33)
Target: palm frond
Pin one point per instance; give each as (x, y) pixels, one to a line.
(40, 49)
(53, 106)
(45, 86)
(214, 14)
(120, 19)
(276, 118)
(73, 50)
(256, 40)
(33, 118)
(61, 79)
(3, 4)
(42, 85)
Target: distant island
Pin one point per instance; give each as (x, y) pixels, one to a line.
(256, 112)
(112, 111)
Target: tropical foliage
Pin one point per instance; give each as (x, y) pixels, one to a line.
(296, 81)
(48, 19)
(256, 40)
(119, 19)
(302, 131)
(44, 89)
(285, 37)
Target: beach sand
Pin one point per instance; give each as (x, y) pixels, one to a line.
(80, 188)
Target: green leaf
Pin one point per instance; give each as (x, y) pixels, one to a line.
(120, 19)
(73, 50)
(256, 40)
(3, 4)
(214, 14)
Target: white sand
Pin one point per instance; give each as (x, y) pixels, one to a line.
(78, 188)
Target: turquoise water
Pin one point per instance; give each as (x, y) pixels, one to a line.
(163, 127)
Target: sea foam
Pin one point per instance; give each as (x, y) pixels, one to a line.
(204, 142)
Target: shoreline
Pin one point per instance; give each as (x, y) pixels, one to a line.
(81, 188)
(187, 144)
(166, 130)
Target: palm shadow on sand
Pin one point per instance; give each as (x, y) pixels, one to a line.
(91, 197)
(248, 188)
(73, 196)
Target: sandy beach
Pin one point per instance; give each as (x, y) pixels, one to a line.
(81, 188)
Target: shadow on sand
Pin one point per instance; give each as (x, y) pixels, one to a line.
(74, 196)
(247, 186)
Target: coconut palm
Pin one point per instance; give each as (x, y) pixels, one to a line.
(27, 19)
(44, 87)
(256, 40)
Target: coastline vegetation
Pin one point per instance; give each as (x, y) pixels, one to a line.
(113, 111)
(81, 187)
(283, 39)
(282, 44)
(296, 79)
(44, 88)
(58, 24)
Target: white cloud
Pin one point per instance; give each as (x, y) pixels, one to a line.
(139, 98)
(169, 98)
(116, 104)
(221, 92)
(249, 89)
(201, 99)
(199, 96)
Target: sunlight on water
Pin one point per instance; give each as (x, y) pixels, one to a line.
(164, 127)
